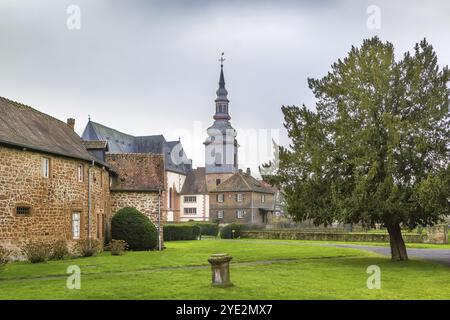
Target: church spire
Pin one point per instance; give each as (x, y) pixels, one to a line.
(222, 96)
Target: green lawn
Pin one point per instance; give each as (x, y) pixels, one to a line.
(269, 270)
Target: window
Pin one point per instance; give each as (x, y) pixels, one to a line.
(239, 197)
(80, 172)
(263, 198)
(220, 214)
(240, 214)
(218, 159)
(23, 210)
(218, 181)
(46, 167)
(190, 199)
(76, 216)
(220, 198)
(170, 198)
(190, 210)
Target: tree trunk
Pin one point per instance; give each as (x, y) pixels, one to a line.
(398, 248)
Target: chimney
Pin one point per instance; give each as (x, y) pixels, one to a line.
(71, 123)
(249, 172)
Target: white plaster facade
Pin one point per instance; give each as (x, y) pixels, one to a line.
(201, 206)
(175, 182)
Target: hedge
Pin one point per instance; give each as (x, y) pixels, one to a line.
(207, 228)
(227, 231)
(174, 232)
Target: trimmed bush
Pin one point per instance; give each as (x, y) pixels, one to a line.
(117, 247)
(208, 228)
(181, 231)
(4, 256)
(232, 231)
(59, 250)
(86, 248)
(36, 251)
(131, 226)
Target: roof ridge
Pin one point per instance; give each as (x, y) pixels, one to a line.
(22, 105)
(245, 181)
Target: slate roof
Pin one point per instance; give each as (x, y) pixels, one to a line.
(25, 127)
(96, 144)
(195, 182)
(241, 182)
(137, 171)
(119, 142)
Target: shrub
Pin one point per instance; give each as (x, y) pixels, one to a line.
(117, 247)
(135, 229)
(87, 248)
(181, 231)
(232, 231)
(59, 250)
(4, 256)
(208, 228)
(36, 251)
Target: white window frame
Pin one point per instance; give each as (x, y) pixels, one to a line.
(76, 225)
(263, 198)
(220, 214)
(80, 172)
(190, 199)
(220, 198)
(240, 214)
(239, 197)
(193, 210)
(45, 167)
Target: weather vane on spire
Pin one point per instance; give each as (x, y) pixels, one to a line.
(222, 59)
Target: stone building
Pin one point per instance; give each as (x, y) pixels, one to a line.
(139, 183)
(51, 187)
(242, 198)
(176, 165)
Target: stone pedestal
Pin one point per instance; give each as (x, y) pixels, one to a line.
(220, 267)
(437, 234)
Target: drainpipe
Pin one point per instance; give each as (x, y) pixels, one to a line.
(90, 204)
(159, 220)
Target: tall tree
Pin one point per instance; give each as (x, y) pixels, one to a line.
(376, 149)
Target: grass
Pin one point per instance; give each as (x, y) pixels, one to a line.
(269, 270)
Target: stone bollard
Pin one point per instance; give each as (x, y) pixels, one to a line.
(220, 267)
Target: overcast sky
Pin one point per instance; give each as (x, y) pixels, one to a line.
(151, 67)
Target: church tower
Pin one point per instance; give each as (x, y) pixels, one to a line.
(221, 147)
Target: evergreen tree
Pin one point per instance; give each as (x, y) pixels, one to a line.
(376, 149)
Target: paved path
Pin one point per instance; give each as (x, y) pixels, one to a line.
(439, 255)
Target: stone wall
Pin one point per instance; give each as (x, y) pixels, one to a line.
(52, 200)
(437, 234)
(327, 236)
(145, 202)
